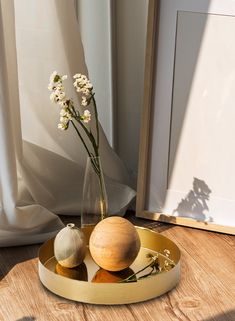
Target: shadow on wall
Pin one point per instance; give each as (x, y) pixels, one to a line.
(195, 203)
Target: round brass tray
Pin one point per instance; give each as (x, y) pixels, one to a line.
(86, 290)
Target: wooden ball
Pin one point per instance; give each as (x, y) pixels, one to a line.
(114, 243)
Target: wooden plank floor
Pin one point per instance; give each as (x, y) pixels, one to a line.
(206, 291)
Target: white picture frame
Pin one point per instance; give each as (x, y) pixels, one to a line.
(180, 38)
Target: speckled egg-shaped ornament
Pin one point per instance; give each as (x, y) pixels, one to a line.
(114, 243)
(70, 246)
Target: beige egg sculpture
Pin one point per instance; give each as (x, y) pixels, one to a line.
(114, 243)
(70, 246)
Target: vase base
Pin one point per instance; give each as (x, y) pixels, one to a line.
(89, 220)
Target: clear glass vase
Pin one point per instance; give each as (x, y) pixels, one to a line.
(94, 200)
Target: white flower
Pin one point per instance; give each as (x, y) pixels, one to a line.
(52, 80)
(64, 120)
(82, 84)
(63, 103)
(86, 117)
(58, 97)
(64, 77)
(63, 126)
(61, 95)
(53, 97)
(52, 77)
(63, 112)
(84, 101)
(56, 87)
(65, 117)
(77, 76)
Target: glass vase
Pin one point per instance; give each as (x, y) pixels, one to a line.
(94, 200)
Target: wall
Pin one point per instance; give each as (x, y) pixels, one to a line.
(114, 36)
(95, 20)
(131, 26)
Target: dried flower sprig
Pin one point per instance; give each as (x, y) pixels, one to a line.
(154, 265)
(69, 114)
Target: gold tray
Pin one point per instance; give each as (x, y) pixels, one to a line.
(112, 293)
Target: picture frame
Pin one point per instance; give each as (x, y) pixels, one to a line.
(153, 185)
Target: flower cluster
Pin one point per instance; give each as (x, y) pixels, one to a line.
(65, 117)
(83, 86)
(57, 89)
(58, 96)
(71, 115)
(86, 117)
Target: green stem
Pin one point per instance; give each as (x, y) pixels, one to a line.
(103, 201)
(89, 134)
(96, 120)
(94, 159)
(84, 144)
(89, 153)
(76, 116)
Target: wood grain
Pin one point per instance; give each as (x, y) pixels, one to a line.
(205, 293)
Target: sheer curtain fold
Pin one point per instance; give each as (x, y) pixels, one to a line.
(41, 168)
(27, 223)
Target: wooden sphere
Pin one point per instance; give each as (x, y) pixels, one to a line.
(114, 243)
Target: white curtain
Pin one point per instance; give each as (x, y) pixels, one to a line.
(41, 168)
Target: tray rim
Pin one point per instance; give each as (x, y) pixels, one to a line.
(117, 291)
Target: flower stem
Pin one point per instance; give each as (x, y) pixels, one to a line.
(96, 120)
(84, 144)
(103, 204)
(89, 134)
(76, 116)
(89, 153)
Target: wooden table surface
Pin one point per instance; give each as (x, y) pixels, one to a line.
(206, 290)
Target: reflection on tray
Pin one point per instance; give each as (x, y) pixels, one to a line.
(77, 273)
(104, 276)
(101, 276)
